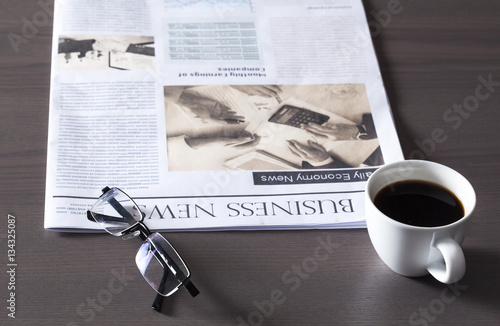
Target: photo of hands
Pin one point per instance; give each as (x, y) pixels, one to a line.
(105, 52)
(269, 127)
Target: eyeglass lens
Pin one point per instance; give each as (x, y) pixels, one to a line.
(161, 265)
(115, 211)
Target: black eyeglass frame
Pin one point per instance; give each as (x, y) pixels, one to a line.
(140, 229)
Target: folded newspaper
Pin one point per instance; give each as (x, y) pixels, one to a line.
(216, 115)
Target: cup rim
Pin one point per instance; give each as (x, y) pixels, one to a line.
(419, 163)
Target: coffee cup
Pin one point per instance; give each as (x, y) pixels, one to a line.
(417, 214)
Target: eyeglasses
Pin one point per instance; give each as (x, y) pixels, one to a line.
(119, 215)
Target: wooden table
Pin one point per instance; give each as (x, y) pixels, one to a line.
(433, 55)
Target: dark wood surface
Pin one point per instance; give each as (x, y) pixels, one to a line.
(431, 55)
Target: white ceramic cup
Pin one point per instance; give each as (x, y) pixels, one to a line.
(413, 250)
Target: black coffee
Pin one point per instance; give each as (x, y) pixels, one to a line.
(419, 203)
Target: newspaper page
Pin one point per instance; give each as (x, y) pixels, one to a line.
(216, 115)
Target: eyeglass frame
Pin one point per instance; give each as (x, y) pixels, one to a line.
(140, 229)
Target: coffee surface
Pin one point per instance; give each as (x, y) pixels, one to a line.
(419, 203)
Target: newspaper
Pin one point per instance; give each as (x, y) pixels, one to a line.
(216, 115)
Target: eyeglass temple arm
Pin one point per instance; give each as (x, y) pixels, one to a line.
(144, 233)
(129, 219)
(190, 287)
(159, 298)
(119, 208)
(90, 217)
(186, 282)
(107, 217)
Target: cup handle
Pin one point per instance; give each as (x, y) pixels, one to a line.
(452, 268)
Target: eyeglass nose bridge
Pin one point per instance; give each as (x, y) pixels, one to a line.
(139, 229)
(131, 235)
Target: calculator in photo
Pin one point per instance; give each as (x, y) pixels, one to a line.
(294, 116)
